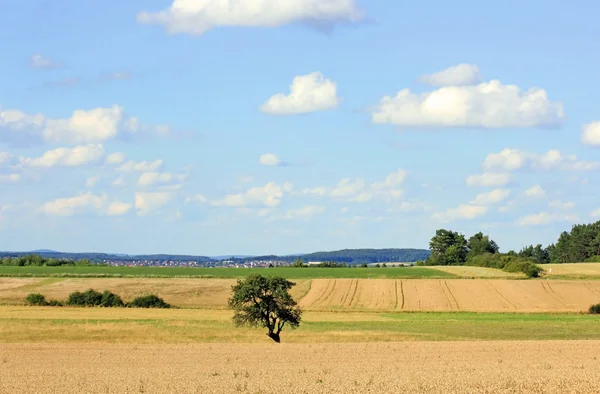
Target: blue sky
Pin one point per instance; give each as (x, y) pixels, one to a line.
(287, 126)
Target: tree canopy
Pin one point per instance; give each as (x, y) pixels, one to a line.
(260, 301)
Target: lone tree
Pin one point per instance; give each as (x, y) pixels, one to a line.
(260, 301)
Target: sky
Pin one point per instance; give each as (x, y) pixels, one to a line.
(215, 127)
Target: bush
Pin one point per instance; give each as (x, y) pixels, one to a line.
(55, 303)
(595, 309)
(92, 297)
(148, 301)
(524, 266)
(36, 299)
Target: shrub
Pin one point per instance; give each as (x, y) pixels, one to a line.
(148, 301)
(36, 299)
(525, 266)
(363, 265)
(92, 297)
(377, 265)
(595, 309)
(384, 265)
(110, 300)
(55, 303)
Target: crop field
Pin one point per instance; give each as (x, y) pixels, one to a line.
(431, 367)
(494, 295)
(106, 325)
(175, 272)
(465, 271)
(573, 271)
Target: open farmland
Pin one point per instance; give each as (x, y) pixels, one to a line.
(451, 367)
(181, 272)
(465, 271)
(496, 295)
(573, 271)
(451, 295)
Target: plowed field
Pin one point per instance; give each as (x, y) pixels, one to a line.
(451, 295)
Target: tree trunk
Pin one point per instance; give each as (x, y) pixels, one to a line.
(274, 336)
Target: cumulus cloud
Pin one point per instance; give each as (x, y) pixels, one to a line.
(10, 178)
(563, 205)
(159, 178)
(269, 195)
(515, 159)
(304, 213)
(489, 179)
(360, 191)
(545, 218)
(535, 192)
(115, 158)
(83, 126)
(459, 75)
(596, 213)
(308, 93)
(140, 166)
(486, 105)
(91, 181)
(118, 208)
(70, 157)
(590, 134)
(37, 60)
(493, 197)
(269, 159)
(72, 205)
(462, 212)
(146, 203)
(195, 17)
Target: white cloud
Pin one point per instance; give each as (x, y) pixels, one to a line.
(91, 181)
(359, 191)
(140, 166)
(308, 93)
(545, 218)
(269, 159)
(459, 75)
(71, 157)
(487, 105)
(148, 202)
(119, 182)
(535, 192)
(38, 60)
(304, 213)
(269, 195)
(83, 126)
(590, 134)
(195, 17)
(564, 205)
(5, 157)
(72, 205)
(10, 178)
(115, 158)
(159, 178)
(118, 208)
(462, 212)
(493, 197)
(596, 213)
(515, 159)
(489, 179)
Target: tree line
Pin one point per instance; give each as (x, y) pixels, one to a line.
(38, 261)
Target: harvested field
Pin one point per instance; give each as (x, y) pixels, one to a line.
(451, 295)
(576, 270)
(177, 326)
(205, 293)
(464, 271)
(432, 367)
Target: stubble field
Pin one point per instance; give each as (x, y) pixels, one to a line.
(496, 295)
(422, 367)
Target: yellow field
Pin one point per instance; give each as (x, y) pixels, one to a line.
(203, 293)
(451, 295)
(574, 270)
(421, 367)
(341, 294)
(476, 272)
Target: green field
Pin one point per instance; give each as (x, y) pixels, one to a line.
(32, 324)
(174, 272)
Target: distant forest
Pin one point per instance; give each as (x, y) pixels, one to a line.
(352, 256)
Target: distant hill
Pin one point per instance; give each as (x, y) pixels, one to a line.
(354, 256)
